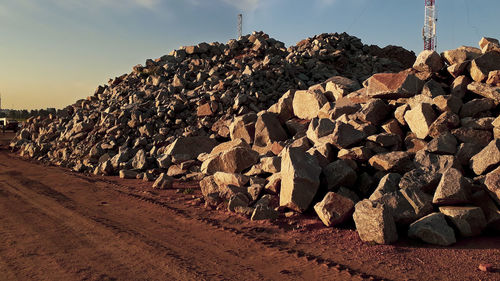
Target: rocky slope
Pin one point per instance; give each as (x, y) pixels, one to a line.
(268, 130)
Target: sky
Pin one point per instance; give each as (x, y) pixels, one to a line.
(54, 52)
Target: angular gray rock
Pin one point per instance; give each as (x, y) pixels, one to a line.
(334, 209)
(339, 173)
(486, 159)
(284, 106)
(433, 229)
(446, 143)
(234, 160)
(469, 221)
(306, 104)
(345, 135)
(423, 178)
(243, 127)
(453, 189)
(226, 179)
(492, 183)
(319, 130)
(461, 54)
(374, 223)
(127, 174)
(338, 86)
(387, 184)
(264, 213)
(485, 90)
(489, 44)
(237, 200)
(429, 61)
(419, 119)
(268, 129)
(189, 148)
(163, 182)
(481, 66)
(299, 179)
(139, 161)
(374, 112)
(396, 161)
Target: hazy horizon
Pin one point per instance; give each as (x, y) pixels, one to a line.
(54, 52)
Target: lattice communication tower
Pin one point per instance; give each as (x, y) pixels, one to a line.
(240, 25)
(429, 31)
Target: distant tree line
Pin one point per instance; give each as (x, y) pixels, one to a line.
(23, 114)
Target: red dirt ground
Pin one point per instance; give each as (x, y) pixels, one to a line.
(60, 225)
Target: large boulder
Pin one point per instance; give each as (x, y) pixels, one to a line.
(339, 173)
(420, 118)
(490, 209)
(374, 222)
(387, 184)
(127, 174)
(446, 143)
(429, 61)
(226, 179)
(163, 182)
(139, 161)
(345, 135)
(445, 122)
(481, 66)
(396, 161)
(492, 183)
(394, 85)
(433, 229)
(234, 160)
(268, 129)
(461, 54)
(476, 107)
(188, 148)
(264, 213)
(334, 209)
(489, 44)
(337, 87)
(485, 90)
(299, 179)
(469, 221)
(229, 145)
(374, 112)
(423, 178)
(306, 104)
(407, 205)
(284, 106)
(487, 158)
(320, 130)
(243, 127)
(453, 189)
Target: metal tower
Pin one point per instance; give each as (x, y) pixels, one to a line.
(429, 31)
(240, 25)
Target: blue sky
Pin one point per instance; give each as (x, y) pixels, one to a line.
(53, 52)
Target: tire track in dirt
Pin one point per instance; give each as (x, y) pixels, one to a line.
(60, 225)
(269, 243)
(122, 231)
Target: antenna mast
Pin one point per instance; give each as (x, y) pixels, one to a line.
(429, 31)
(240, 25)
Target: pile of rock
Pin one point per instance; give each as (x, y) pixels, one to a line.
(193, 91)
(416, 150)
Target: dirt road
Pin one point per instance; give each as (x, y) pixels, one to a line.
(59, 225)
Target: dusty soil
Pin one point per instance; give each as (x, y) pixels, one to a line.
(59, 225)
